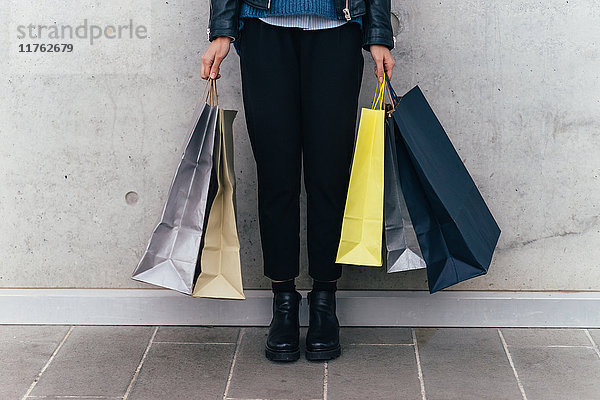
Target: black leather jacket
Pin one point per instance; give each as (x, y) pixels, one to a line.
(377, 26)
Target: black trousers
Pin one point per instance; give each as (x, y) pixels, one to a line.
(300, 91)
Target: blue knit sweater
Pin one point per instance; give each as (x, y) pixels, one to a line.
(324, 8)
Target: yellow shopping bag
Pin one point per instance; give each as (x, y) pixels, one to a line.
(362, 226)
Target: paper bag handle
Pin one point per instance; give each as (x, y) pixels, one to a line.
(379, 95)
(212, 97)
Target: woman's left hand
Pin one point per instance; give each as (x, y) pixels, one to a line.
(383, 61)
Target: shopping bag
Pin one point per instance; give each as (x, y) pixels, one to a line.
(171, 256)
(401, 244)
(362, 224)
(220, 266)
(456, 231)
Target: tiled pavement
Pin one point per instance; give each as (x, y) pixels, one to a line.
(100, 362)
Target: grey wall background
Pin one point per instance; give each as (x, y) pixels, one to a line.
(515, 83)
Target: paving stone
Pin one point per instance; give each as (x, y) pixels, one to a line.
(197, 334)
(77, 398)
(457, 363)
(367, 372)
(465, 363)
(95, 361)
(595, 334)
(558, 373)
(32, 333)
(359, 335)
(184, 371)
(256, 377)
(24, 350)
(527, 337)
(350, 335)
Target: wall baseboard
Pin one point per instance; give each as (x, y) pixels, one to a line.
(354, 308)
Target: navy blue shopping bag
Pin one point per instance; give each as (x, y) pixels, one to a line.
(456, 231)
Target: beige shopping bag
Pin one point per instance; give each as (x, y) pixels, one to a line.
(221, 271)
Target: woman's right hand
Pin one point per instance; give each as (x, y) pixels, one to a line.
(213, 56)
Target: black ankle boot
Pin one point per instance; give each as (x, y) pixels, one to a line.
(284, 331)
(323, 336)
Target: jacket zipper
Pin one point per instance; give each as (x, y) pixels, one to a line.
(345, 10)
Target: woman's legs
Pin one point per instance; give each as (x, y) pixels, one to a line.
(331, 74)
(269, 60)
(300, 91)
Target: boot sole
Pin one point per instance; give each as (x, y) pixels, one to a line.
(323, 354)
(274, 355)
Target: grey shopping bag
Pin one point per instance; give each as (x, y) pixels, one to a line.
(171, 257)
(402, 247)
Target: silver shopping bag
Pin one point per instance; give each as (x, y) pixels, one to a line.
(171, 257)
(402, 247)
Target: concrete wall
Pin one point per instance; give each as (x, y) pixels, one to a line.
(87, 153)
